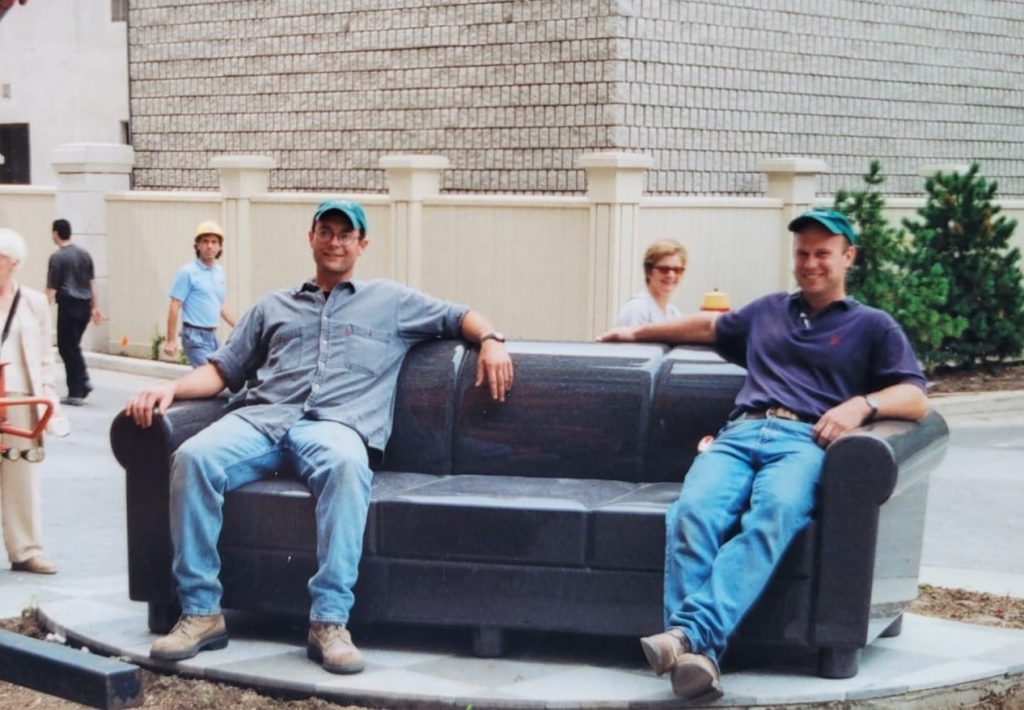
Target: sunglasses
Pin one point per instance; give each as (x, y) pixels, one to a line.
(665, 270)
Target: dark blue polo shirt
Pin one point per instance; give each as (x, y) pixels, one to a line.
(810, 364)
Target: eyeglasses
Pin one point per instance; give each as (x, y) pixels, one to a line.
(665, 270)
(346, 236)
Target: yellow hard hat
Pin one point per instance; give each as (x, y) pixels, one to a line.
(209, 227)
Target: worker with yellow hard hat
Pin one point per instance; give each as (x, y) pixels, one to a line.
(198, 296)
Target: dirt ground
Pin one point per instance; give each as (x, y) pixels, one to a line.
(177, 693)
(1005, 377)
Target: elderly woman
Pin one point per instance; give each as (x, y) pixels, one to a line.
(26, 350)
(664, 264)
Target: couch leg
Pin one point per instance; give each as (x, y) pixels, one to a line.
(893, 629)
(163, 617)
(838, 662)
(488, 641)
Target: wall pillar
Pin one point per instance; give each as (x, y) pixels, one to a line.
(242, 177)
(795, 182)
(410, 180)
(86, 172)
(615, 186)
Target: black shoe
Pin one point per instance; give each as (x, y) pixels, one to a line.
(73, 401)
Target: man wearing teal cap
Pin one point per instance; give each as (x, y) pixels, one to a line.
(320, 364)
(818, 364)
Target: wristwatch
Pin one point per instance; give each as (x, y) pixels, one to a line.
(873, 403)
(493, 335)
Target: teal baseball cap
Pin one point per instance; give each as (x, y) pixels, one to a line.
(833, 221)
(352, 210)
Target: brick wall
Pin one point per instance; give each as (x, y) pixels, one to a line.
(513, 91)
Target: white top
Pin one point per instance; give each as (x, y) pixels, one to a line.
(642, 309)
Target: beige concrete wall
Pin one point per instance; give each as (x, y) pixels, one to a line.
(150, 237)
(30, 212)
(523, 262)
(735, 245)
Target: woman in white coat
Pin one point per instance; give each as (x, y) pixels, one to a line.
(28, 354)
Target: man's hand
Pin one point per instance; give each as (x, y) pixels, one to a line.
(622, 334)
(97, 317)
(494, 365)
(171, 347)
(839, 420)
(140, 407)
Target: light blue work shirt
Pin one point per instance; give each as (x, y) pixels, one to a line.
(336, 357)
(202, 290)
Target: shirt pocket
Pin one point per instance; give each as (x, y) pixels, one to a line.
(364, 350)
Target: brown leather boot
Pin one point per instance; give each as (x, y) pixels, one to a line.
(331, 645)
(662, 649)
(189, 636)
(695, 676)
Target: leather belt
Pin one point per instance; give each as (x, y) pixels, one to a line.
(197, 327)
(775, 412)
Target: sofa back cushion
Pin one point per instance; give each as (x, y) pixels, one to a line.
(625, 412)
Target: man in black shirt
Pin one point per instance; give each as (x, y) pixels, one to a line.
(70, 282)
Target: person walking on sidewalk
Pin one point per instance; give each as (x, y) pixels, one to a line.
(320, 364)
(198, 294)
(71, 282)
(27, 354)
(818, 365)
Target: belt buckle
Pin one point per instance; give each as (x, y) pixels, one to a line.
(778, 412)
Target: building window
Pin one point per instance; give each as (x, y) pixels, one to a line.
(126, 133)
(14, 148)
(118, 10)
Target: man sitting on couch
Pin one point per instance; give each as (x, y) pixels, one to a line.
(818, 364)
(320, 362)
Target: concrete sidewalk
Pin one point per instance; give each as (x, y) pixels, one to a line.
(971, 540)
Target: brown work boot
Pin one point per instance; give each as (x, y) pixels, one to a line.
(663, 649)
(189, 636)
(695, 676)
(331, 645)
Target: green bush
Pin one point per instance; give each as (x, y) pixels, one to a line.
(963, 236)
(888, 275)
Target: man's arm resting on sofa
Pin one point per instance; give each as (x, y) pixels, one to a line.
(204, 381)
(698, 328)
(902, 401)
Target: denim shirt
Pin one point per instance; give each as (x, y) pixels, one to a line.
(336, 357)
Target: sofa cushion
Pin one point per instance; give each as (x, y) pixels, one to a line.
(629, 533)
(278, 513)
(576, 410)
(494, 519)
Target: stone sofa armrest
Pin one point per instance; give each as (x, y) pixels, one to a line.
(879, 469)
(134, 446)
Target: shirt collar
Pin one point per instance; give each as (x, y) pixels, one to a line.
(201, 265)
(311, 287)
(797, 302)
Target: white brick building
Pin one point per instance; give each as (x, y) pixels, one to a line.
(513, 91)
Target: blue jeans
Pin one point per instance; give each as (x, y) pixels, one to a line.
(329, 457)
(762, 474)
(198, 344)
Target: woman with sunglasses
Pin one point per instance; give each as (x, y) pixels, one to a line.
(664, 264)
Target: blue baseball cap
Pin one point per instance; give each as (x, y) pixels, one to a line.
(352, 210)
(833, 221)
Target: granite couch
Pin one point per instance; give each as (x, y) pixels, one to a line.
(547, 512)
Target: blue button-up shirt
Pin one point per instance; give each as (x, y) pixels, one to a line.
(335, 357)
(810, 364)
(201, 290)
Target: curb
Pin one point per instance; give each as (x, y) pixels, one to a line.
(978, 403)
(135, 365)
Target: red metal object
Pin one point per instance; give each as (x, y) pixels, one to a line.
(5, 402)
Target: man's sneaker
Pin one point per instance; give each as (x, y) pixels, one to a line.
(331, 646)
(73, 401)
(695, 676)
(189, 636)
(663, 649)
